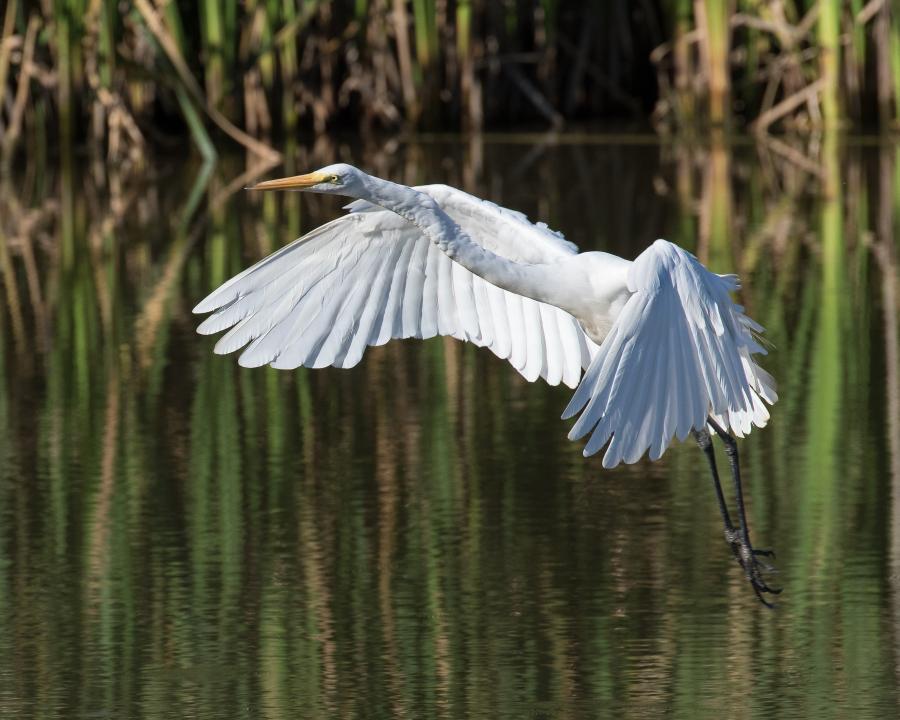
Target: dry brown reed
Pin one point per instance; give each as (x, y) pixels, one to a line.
(122, 75)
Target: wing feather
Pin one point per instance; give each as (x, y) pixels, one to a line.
(465, 302)
(679, 352)
(485, 318)
(502, 325)
(370, 276)
(366, 330)
(355, 319)
(413, 294)
(535, 358)
(391, 320)
(553, 348)
(429, 305)
(518, 349)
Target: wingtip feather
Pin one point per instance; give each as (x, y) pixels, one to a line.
(211, 302)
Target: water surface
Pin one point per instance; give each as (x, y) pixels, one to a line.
(416, 537)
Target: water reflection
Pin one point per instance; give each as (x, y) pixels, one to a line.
(416, 537)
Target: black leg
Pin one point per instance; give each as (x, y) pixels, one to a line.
(705, 442)
(738, 538)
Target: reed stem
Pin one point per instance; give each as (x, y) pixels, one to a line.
(717, 47)
(829, 31)
(283, 64)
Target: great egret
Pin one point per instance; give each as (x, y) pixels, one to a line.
(665, 350)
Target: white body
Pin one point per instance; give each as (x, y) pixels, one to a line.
(662, 343)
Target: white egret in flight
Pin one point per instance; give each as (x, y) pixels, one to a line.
(665, 351)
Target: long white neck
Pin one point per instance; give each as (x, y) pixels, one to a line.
(533, 281)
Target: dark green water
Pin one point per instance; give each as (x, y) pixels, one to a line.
(180, 537)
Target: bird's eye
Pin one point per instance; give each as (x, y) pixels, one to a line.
(334, 180)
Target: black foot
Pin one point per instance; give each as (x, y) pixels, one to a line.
(748, 558)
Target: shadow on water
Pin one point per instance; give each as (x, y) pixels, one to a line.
(416, 537)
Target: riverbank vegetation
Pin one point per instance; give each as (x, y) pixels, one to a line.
(125, 75)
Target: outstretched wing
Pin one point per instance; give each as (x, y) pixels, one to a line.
(370, 276)
(679, 351)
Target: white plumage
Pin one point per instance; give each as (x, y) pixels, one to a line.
(663, 344)
(679, 351)
(371, 276)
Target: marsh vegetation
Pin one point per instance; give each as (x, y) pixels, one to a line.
(124, 75)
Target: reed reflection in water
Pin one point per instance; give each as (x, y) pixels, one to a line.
(416, 537)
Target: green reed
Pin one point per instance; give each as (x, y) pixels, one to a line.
(214, 47)
(274, 66)
(894, 62)
(829, 27)
(716, 39)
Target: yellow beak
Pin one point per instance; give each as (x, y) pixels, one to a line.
(289, 183)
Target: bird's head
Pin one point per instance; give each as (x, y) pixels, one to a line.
(337, 179)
